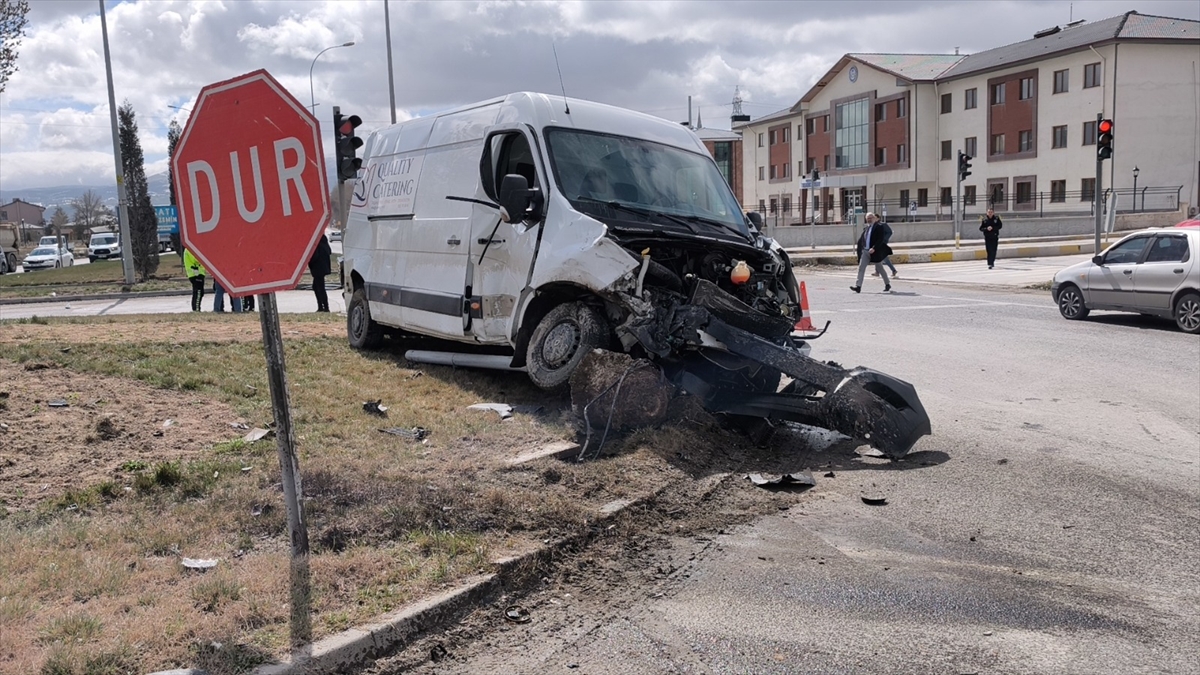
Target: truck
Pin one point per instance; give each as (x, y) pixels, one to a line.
(545, 228)
(10, 247)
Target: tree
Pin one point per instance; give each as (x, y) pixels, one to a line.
(89, 212)
(12, 29)
(174, 131)
(143, 224)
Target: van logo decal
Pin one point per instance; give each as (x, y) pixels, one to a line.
(389, 186)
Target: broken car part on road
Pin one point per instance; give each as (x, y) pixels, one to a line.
(548, 229)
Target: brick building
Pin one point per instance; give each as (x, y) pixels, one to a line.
(884, 130)
(726, 149)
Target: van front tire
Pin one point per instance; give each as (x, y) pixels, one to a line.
(362, 331)
(560, 342)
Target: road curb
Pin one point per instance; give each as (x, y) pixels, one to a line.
(1037, 251)
(354, 647)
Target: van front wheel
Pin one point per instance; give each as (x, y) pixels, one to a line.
(560, 342)
(363, 332)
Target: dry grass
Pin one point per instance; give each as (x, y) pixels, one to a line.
(90, 576)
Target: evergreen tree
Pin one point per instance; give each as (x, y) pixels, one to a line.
(143, 225)
(174, 131)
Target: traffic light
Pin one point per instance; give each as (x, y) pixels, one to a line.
(1104, 140)
(347, 145)
(964, 165)
(816, 176)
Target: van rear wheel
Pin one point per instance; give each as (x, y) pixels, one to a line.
(560, 342)
(362, 331)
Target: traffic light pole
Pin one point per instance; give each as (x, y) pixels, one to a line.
(1097, 197)
(957, 203)
(337, 110)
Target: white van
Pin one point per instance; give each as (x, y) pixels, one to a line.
(104, 246)
(552, 226)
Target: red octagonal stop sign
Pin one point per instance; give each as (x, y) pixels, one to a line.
(250, 184)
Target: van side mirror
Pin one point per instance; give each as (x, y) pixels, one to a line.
(1098, 260)
(516, 197)
(756, 220)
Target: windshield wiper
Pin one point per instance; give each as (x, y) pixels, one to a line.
(718, 223)
(641, 211)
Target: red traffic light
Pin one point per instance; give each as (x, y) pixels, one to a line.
(1106, 126)
(348, 124)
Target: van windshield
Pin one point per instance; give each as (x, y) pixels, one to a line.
(594, 170)
(103, 241)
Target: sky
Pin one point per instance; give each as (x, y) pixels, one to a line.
(645, 55)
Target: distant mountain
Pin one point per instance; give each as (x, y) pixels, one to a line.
(62, 195)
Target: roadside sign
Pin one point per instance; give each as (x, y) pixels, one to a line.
(168, 219)
(250, 179)
(912, 207)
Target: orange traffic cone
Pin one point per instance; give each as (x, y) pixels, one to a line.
(805, 322)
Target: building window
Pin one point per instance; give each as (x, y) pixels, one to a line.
(947, 103)
(1027, 91)
(997, 144)
(787, 205)
(947, 199)
(760, 140)
(774, 205)
(762, 206)
(970, 99)
(1024, 192)
(787, 134)
(812, 164)
(773, 176)
(787, 170)
(902, 153)
(1062, 81)
(1025, 141)
(970, 145)
(760, 172)
(723, 156)
(1087, 189)
(946, 150)
(901, 107)
(1060, 137)
(1089, 133)
(998, 94)
(852, 135)
(1091, 75)
(799, 132)
(922, 196)
(771, 137)
(904, 200)
(1058, 191)
(825, 123)
(880, 156)
(969, 195)
(825, 164)
(880, 112)
(812, 126)
(997, 197)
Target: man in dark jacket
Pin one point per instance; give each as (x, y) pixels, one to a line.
(872, 247)
(990, 227)
(319, 267)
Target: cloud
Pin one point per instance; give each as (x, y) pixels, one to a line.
(649, 56)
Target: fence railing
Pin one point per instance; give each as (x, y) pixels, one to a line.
(1052, 204)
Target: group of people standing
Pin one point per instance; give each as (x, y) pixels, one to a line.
(319, 266)
(872, 247)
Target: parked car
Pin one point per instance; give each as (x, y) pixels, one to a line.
(1155, 272)
(104, 246)
(335, 235)
(48, 257)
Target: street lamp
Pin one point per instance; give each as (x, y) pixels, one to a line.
(311, 96)
(1135, 174)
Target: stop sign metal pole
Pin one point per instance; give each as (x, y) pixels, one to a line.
(289, 464)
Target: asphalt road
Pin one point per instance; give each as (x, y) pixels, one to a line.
(1047, 526)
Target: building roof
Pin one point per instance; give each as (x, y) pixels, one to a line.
(910, 66)
(707, 134)
(1128, 26)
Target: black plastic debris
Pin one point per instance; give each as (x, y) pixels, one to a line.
(829, 475)
(375, 408)
(875, 501)
(57, 403)
(802, 480)
(411, 433)
(517, 614)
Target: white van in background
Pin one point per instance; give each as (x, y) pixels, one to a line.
(104, 246)
(551, 227)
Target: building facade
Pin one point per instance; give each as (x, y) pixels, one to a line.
(885, 130)
(18, 211)
(726, 150)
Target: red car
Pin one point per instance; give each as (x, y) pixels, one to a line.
(1189, 223)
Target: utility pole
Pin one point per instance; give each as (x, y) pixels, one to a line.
(122, 202)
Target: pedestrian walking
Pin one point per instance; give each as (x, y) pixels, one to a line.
(319, 267)
(887, 230)
(872, 248)
(990, 227)
(219, 299)
(195, 274)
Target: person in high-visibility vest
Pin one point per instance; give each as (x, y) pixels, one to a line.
(195, 274)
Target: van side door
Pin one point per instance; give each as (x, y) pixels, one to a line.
(503, 254)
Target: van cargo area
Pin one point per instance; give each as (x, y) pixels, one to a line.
(552, 228)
